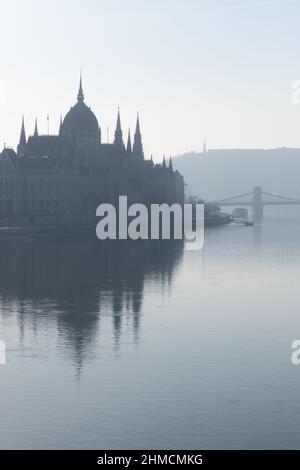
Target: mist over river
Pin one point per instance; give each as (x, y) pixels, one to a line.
(146, 345)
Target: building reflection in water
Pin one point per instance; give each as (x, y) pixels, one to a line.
(70, 284)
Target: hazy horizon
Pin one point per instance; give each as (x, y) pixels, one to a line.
(215, 70)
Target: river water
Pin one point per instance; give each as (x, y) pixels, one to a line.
(146, 345)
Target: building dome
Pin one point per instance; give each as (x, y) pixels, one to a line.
(80, 120)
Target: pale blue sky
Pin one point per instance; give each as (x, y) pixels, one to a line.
(220, 70)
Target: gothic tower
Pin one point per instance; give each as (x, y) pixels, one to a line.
(138, 151)
(129, 146)
(36, 132)
(22, 142)
(118, 132)
(60, 126)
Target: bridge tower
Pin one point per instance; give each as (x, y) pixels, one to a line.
(257, 204)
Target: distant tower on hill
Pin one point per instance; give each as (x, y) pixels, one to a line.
(204, 147)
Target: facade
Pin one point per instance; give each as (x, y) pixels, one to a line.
(61, 179)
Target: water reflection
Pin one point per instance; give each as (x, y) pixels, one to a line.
(70, 284)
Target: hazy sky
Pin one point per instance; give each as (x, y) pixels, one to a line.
(220, 70)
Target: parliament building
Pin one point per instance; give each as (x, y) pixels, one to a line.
(61, 179)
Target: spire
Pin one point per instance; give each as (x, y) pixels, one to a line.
(137, 144)
(60, 125)
(36, 133)
(138, 130)
(170, 165)
(129, 146)
(22, 141)
(204, 147)
(80, 96)
(118, 132)
(164, 162)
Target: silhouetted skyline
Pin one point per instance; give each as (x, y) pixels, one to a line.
(220, 70)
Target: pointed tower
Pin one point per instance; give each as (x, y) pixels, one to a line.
(80, 96)
(60, 126)
(170, 165)
(138, 151)
(22, 141)
(129, 146)
(80, 123)
(118, 132)
(36, 133)
(204, 147)
(164, 162)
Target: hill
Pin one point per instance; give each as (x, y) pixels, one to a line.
(221, 173)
